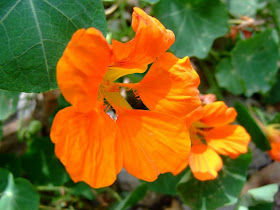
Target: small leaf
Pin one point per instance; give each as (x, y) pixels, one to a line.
(273, 96)
(274, 6)
(8, 103)
(219, 192)
(228, 78)
(33, 36)
(240, 8)
(41, 165)
(257, 196)
(12, 162)
(246, 119)
(133, 198)
(151, 1)
(165, 184)
(255, 61)
(17, 194)
(275, 119)
(82, 189)
(195, 24)
(1, 130)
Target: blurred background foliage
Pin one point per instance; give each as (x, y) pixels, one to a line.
(233, 45)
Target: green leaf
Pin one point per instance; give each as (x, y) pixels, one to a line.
(165, 184)
(244, 8)
(17, 194)
(133, 198)
(221, 191)
(273, 96)
(41, 165)
(246, 119)
(274, 6)
(195, 23)
(33, 36)
(11, 162)
(228, 78)
(82, 189)
(275, 119)
(258, 196)
(151, 1)
(8, 103)
(1, 130)
(255, 61)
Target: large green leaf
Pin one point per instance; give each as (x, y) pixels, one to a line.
(221, 191)
(195, 23)
(246, 119)
(133, 198)
(255, 61)
(8, 103)
(17, 194)
(228, 78)
(33, 36)
(258, 196)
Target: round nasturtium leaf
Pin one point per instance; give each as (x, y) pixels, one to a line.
(17, 194)
(223, 190)
(33, 36)
(228, 78)
(195, 24)
(240, 8)
(165, 184)
(255, 61)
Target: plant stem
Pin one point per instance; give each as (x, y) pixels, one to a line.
(52, 188)
(211, 80)
(114, 194)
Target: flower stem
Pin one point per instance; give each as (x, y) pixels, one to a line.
(52, 188)
(114, 194)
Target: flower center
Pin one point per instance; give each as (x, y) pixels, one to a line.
(198, 133)
(110, 96)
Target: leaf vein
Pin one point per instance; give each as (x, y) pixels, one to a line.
(41, 39)
(9, 12)
(61, 12)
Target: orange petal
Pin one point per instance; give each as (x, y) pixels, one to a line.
(204, 162)
(229, 140)
(170, 86)
(218, 114)
(150, 41)
(275, 151)
(154, 143)
(86, 145)
(180, 168)
(82, 67)
(194, 116)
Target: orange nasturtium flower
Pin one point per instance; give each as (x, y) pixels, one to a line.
(212, 135)
(273, 134)
(94, 147)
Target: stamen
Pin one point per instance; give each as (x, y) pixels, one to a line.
(127, 86)
(107, 108)
(136, 94)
